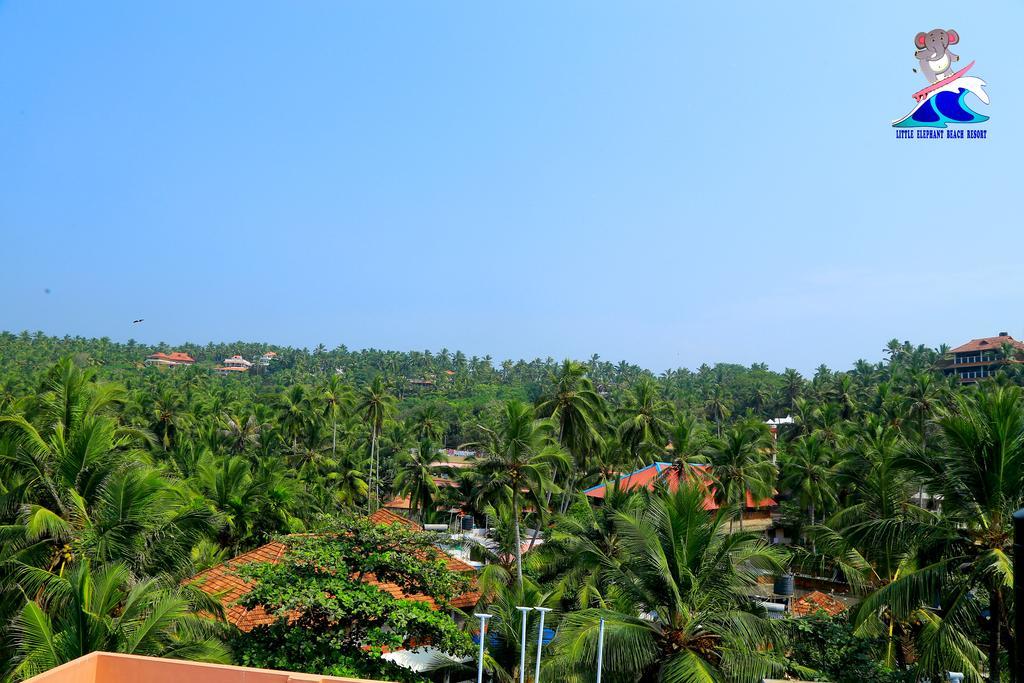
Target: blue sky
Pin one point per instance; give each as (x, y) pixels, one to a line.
(656, 182)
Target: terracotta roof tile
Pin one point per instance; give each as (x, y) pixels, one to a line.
(649, 476)
(813, 602)
(383, 516)
(987, 344)
(222, 582)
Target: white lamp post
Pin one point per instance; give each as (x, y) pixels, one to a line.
(522, 645)
(600, 650)
(483, 635)
(540, 641)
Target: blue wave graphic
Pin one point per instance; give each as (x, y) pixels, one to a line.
(942, 108)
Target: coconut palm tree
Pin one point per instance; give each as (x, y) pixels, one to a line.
(168, 416)
(717, 406)
(575, 407)
(677, 606)
(979, 474)
(740, 465)
(644, 418)
(792, 387)
(809, 472)
(375, 406)
(578, 411)
(516, 465)
(876, 539)
(429, 423)
(82, 610)
(81, 499)
(294, 407)
(688, 439)
(415, 478)
(573, 556)
(337, 398)
(240, 433)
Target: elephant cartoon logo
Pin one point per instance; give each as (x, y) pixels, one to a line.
(934, 55)
(941, 102)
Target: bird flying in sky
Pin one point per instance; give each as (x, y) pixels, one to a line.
(136, 322)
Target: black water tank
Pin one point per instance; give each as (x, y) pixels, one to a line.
(784, 584)
(467, 523)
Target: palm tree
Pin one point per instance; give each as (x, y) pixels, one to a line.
(232, 491)
(81, 611)
(876, 538)
(429, 423)
(80, 494)
(375, 406)
(740, 467)
(809, 471)
(717, 407)
(793, 386)
(415, 478)
(240, 433)
(349, 483)
(168, 416)
(575, 407)
(644, 417)
(979, 472)
(516, 465)
(676, 603)
(577, 410)
(843, 394)
(337, 398)
(573, 557)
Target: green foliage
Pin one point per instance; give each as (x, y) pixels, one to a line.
(821, 648)
(166, 471)
(331, 618)
(81, 611)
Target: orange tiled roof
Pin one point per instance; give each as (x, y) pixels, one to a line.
(399, 503)
(988, 343)
(383, 516)
(223, 583)
(648, 477)
(182, 357)
(812, 602)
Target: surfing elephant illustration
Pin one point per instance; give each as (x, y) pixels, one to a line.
(933, 54)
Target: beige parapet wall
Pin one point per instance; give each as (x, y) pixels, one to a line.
(106, 667)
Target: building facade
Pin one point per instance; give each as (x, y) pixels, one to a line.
(984, 357)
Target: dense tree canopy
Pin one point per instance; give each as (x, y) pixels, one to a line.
(118, 481)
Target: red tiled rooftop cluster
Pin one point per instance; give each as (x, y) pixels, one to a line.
(813, 602)
(223, 583)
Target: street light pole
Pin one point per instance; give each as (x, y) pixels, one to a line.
(540, 641)
(600, 650)
(483, 639)
(522, 645)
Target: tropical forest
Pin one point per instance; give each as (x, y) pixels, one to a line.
(343, 512)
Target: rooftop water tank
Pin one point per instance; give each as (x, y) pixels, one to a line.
(784, 584)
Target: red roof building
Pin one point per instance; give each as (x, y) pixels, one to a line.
(816, 601)
(663, 472)
(169, 359)
(223, 583)
(984, 357)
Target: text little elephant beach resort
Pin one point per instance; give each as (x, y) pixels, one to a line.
(946, 134)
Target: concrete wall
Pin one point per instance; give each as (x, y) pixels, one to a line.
(105, 667)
